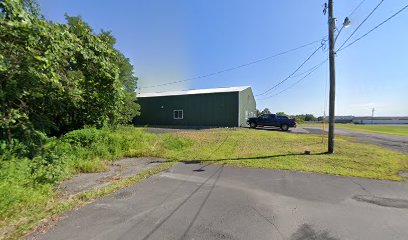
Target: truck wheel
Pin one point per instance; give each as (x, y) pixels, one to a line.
(285, 127)
(252, 125)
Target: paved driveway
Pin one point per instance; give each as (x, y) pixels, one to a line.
(193, 201)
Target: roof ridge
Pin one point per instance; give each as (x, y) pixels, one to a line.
(194, 91)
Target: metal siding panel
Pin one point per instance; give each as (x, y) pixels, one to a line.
(247, 103)
(215, 109)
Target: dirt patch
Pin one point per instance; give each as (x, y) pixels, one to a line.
(120, 169)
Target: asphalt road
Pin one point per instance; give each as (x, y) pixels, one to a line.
(193, 201)
(393, 142)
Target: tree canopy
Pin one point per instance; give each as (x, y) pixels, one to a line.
(59, 77)
(265, 111)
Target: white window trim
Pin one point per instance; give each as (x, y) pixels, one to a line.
(174, 114)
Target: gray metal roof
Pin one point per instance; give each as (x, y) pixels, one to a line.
(190, 92)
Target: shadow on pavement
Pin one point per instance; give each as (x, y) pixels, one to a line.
(218, 171)
(306, 232)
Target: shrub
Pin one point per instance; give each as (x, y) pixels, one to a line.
(84, 137)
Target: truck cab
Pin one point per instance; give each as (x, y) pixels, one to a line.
(271, 120)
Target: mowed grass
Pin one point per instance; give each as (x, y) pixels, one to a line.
(386, 129)
(401, 130)
(281, 150)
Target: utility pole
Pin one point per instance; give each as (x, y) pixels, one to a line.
(332, 26)
(372, 115)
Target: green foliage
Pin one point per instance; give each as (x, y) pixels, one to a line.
(84, 137)
(59, 77)
(265, 111)
(304, 117)
(281, 114)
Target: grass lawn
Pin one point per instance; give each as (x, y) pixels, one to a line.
(280, 150)
(401, 130)
(386, 129)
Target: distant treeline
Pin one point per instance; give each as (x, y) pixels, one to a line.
(299, 117)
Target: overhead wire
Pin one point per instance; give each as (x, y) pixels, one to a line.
(358, 27)
(305, 72)
(293, 73)
(349, 16)
(374, 28)
(297, 82)
(356, 8)
(235, 67)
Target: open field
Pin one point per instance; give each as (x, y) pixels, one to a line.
(401, 130)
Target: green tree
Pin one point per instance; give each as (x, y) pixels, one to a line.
(281, 114)
(266, 111)
(310, 117)
(59, 77)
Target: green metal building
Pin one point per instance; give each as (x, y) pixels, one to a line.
(220, 107)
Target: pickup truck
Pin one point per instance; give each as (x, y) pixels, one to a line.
(272, 120)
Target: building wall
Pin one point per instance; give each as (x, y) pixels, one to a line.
(212, 109)
(247, 106)
(380, 121)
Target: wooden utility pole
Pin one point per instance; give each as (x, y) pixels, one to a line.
(332, 96)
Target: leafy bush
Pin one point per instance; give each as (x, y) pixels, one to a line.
(85, 137)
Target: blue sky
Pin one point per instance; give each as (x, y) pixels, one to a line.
(170, 41)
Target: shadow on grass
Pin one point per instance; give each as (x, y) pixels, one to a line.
(210, 161)
(251, 158)
(275, 129)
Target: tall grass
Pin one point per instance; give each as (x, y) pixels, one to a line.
(28, 184)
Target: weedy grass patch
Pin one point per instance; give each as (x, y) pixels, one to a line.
(28, 185)
(280, 150)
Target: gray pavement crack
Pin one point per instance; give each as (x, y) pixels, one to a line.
(269, 221)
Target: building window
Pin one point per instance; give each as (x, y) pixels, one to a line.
(178, 114)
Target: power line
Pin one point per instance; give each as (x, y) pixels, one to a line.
(349, 16)
(365, 19)
(290, 76)
(379, 25)
(355, 9)
(307, 71)
(236, 67)
(297, 82)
